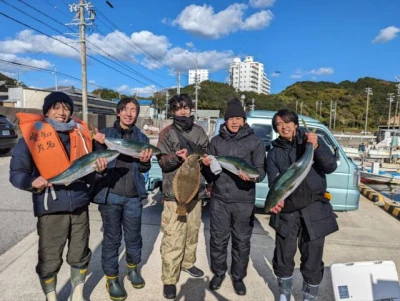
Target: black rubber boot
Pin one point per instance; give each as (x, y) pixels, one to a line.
(285, 288)
(78, 277)
(49, 287)
(115, 290)
(310, 292)
(134, 276)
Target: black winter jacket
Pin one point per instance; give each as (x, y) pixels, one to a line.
(110, 177)
(245, 145)
(308, 199)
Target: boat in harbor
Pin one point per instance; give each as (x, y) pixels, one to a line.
(382, 177)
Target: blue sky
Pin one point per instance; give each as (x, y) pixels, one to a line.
(139, 46)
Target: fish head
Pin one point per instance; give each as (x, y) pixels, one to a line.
(192, 160)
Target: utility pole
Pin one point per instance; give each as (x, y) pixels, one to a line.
(334, 116)
(166, 105)
(80, 10)
(390, 98)
(398, 95)
(252, 106)
(196, 93)
(178, 86)
(369, 92)
(320, 108)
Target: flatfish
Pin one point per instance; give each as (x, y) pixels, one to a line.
(186, 182)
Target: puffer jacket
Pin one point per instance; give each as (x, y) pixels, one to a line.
(103, 183)
(169, 143)
(284, 153)
(245, 145)
(22, 173)
(308, 199)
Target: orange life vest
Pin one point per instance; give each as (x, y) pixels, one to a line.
(46, 148)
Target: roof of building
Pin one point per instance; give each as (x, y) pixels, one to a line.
(145, 102)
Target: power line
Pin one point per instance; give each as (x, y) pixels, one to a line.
(93, 58)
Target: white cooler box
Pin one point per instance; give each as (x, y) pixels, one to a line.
(365, 281)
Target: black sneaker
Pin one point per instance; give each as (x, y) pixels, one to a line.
(216, 282)
(194, 272)
(169, 291)
(239, 287)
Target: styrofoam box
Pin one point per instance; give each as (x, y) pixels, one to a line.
(365, 281)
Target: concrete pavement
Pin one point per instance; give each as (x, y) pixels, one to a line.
(367, 234)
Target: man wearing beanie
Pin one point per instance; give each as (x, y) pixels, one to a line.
(233, 197)
(180, 233)
(50, 143)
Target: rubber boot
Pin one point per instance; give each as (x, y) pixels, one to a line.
(78, 277)
(134, 276)
(310, 292)
(285, 288)
(115, 290)
(49, 287)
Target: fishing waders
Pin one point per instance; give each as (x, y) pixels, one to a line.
(78, 277)
(49, 287)
(285, 288)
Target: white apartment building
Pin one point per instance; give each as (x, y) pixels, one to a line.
(249, 76)
(202, 75)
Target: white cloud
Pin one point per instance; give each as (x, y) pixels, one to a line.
(204, 22)
(144, 47)
(322, 71)
(299, 73)
(386, 34)
(144, 91)
(261, 3)
(123, 88)
(258, 20)
(275, 74)
(7, 67)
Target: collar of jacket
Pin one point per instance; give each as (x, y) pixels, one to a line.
(299, 138)
(122, 131)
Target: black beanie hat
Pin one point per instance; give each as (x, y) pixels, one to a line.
(55, 97)
(234, 109)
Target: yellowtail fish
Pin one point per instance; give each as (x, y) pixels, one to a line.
(83, 166)
(129, 147)
(236, 165)
(288, 181)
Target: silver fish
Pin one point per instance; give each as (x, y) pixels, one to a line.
(83, 166)
(236, 165)
(287, 182)
(129, 147)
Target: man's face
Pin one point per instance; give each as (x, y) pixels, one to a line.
(234, 123)
(59, 112)
(127, 115)
(183, 111)
(286, 130)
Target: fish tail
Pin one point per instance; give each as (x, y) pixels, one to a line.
(181, 209)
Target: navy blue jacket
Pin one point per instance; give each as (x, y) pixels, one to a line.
(308, 198)
(22, 173)
(101, 188)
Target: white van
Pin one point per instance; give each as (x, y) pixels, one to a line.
(342, 183)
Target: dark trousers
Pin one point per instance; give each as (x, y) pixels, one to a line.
(54, 231)
(312, 266)
(121, 214)
(235, 220)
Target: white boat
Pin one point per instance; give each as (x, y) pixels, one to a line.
(379, 153)
(381, 177)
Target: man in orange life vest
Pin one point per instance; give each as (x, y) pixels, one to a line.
(49, 145)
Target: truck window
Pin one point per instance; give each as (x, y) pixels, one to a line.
(324, 136)
(263, 131)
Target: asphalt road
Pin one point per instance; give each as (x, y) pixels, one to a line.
(368, 234)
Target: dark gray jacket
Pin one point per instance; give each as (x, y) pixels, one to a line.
(245, 145)
(169, 162)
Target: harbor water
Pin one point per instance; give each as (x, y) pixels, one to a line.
(390, 191)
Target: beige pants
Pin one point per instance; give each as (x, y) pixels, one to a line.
(179, 243)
